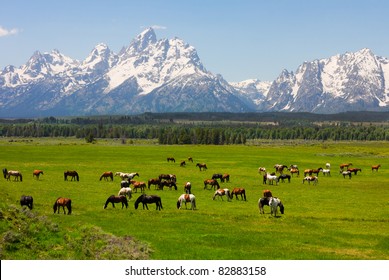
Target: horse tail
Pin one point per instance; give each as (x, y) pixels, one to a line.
(32, 202)
(160, 203)
(244, 195)
(77, 177)
(69, 206)
(101, 177)
(65, 176)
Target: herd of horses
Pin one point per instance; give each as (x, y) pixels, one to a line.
(169, 180)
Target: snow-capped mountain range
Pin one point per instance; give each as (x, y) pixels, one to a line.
(167, 75)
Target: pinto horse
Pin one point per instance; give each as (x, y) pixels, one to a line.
(238, 191)
(126, 192)
(116, 199)
(266, 201)
(212, 182)
(72, 174)
(188, 187)
(280, 168)
(310, 179)
(62, 202)
(184, 198)
(106, 175)
(346, 173)
(26, 201)
(16, 174)
(274, 203)
(202, 166)
(271, 178)
(169, 177)
(375, 167)
(294, 170)
(36, 173)
(221, 192)
(148, 199)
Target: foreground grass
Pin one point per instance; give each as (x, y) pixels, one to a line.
(337, 219)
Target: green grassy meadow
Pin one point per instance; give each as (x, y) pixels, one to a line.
(336, 219)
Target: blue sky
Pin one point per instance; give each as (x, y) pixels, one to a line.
(239, 39)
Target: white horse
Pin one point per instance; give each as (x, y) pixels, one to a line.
(221, 192)
(126, 191)
(328, 165)
(310, 179)
(274, 202)
(184, 198)
(128, 176)
(326, 172)
(271, 178)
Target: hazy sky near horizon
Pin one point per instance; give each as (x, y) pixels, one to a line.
(239, 39)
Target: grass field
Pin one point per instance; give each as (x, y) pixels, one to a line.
(336, 219)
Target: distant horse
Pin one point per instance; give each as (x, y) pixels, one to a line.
(128, 176)
(124, 184)
(328, 165)
(26, 201)
(148, 199)
(293, 171)
(62, 202)
(346, 173)
(308, 172)
(126, 192)
(15, 174)
(139, 185)
(282, 177)
(218, 176)
(221, 192)
(280, 168)
(226, 178)
(72, 174)
(187, 188)
(310, 179)
(183, 163)
(263, 201)
(345, 165)
(354, 170)
(106, 175)
(116, 199)
(212, 182)
(274, 203)
(326, 172)
(202, 166)
(171, 159)
(169, 184)
(190, 159)
(169, 177)
(316, 171)
(261, 170)
(184, 198)
(5, 173)
(238, 191)
(153, 181)
(36, 173)
(375, 167)
(271, 178)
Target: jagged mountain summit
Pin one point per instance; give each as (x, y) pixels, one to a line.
(166, 75)
(149, 75)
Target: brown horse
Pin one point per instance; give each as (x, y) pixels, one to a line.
(72, 174)
(183, 163)
(345, 165)
(169, 184)
(106, 175)
(293, 171)
(153, 181)
(267, 193)
(375, 167)
(202, 166)
(116, 199)
(190, 159)
(139, 185)
(15, 174)
(62, 202)
(213, 182)
(226, 178)
(36, 173)
(354, 170)
(238, 191)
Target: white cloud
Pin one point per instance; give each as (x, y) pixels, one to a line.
(7, 32)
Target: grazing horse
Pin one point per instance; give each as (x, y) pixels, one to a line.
(147, 199)
(316, 171)
(214, 183)
(187, 187)
(139, 185)
(116, 199)
(106, 175)
(280, 168)
(190, 159)
(271, 178)
(293, 171)
(169, 177)
(282, 177)
(62, 202)
(26, 201)
(310, 179)
(124, 184)
(345, 165)
(16, 174)
(274, 203)
(169, 184)
(238, 191)
(128, 176)
(171, 159)
(262, 202)
(375, 167)
(346, 173)
(221, 192)
(72, 174)
(354, 170)
(226, 177)
(326, 172)
(36, 173)
(153, 181)
(218, 176)
(126, 192)
(202, 166)
(184, 198)
(183, 163)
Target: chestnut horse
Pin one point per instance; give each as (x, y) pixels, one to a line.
(238, 191)
(345, 165)
(375, 167)
(116, 199)
(62, 202)
(153, 181)
(202, 166)
(36, 173)
(214, 183)
(106, 175)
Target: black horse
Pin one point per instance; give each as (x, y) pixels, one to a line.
(218, 176)
(26, 201)
(282, 177)
(72, 174)
(5, 173)
(116, 199)
(147, 199)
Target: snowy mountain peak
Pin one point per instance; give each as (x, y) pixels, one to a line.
(143, 40)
